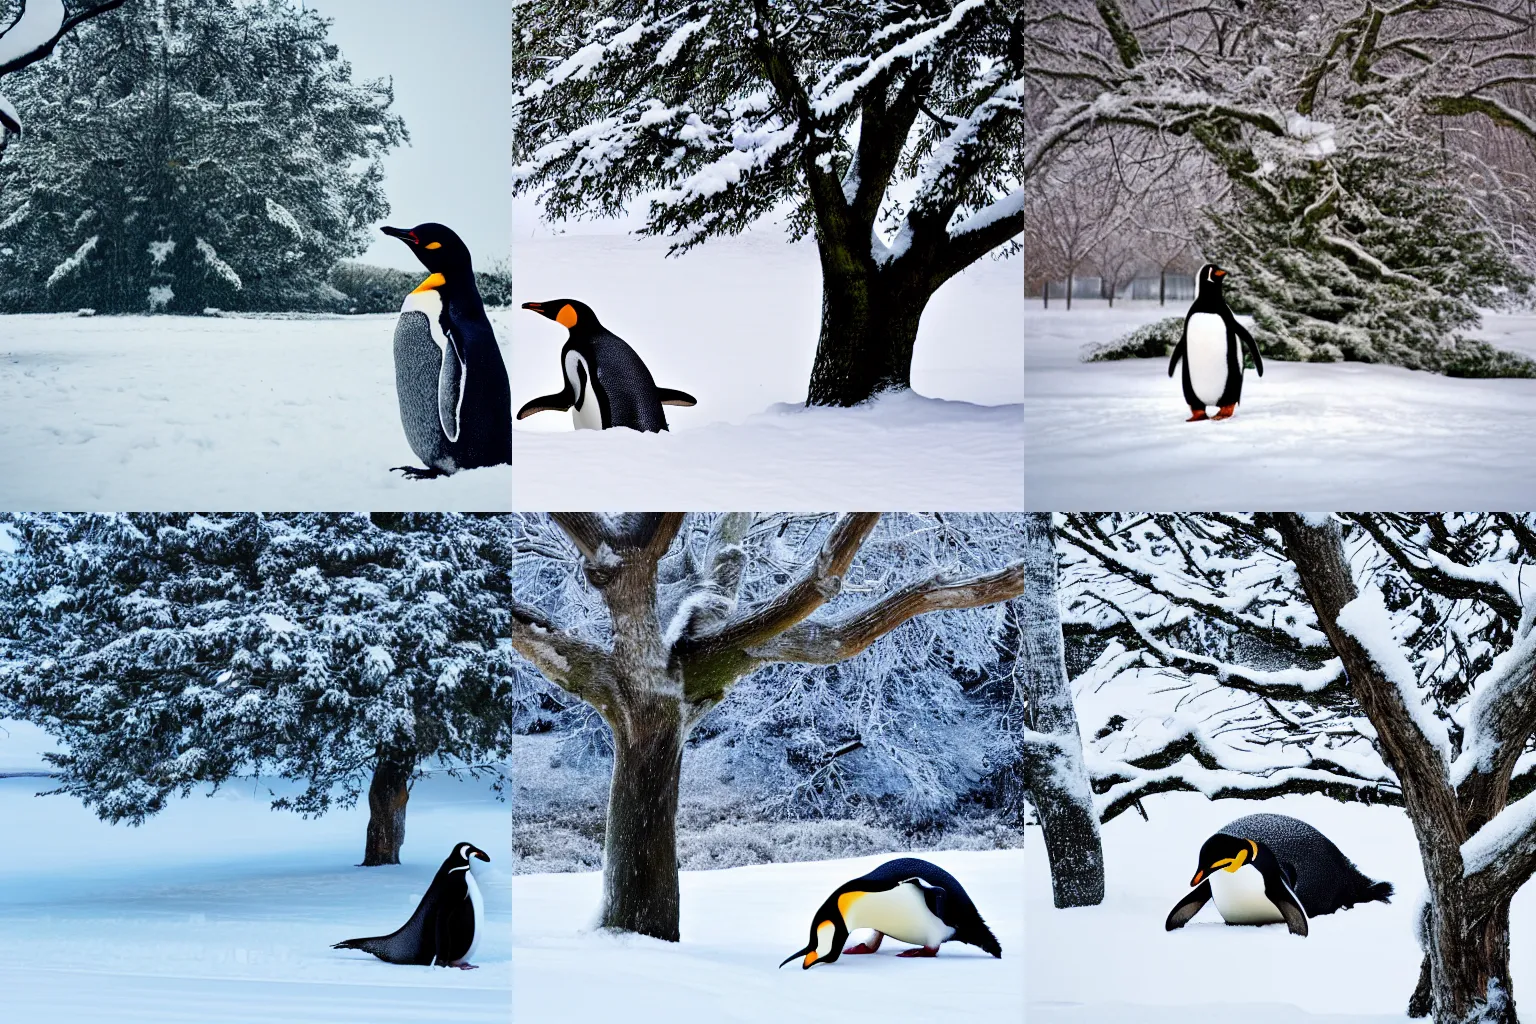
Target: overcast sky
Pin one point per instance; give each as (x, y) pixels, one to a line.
(451, 63)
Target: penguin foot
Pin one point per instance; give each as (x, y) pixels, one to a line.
(417, 473)
(1226, 412)
(866, 947)
(466, 967)
(920, 951)
(1196, 414)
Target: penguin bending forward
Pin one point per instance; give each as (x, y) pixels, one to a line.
(1213, 363)
(1269, 868)
(606, 383)
(455, 403)
(446, 926)
(908, 899)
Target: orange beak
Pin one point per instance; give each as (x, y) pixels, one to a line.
(1198, 875)
(1221, 273)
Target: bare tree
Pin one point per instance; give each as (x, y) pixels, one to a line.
(679, 642)
(1053, 752)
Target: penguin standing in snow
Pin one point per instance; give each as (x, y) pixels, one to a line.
(606, 383)
(1271, 868)
(908, 899)
(1213, 362)
(446, 927)
(455, 403)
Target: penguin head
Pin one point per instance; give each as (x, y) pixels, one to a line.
(568, 313)
(438, 248)
(829, 933)
(1222, 852)
(1208, 281)
(467, 854)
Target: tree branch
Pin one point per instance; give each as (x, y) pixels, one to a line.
(587, 530)
(825, 643)
(573, 664)
(33, 56)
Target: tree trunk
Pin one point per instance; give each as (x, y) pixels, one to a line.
(869, 320)
(1057, 776)
(387, 796)
(640, 890)
(1069, 290)
(1162, 286)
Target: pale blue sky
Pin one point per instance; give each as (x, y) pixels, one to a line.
(451, 64)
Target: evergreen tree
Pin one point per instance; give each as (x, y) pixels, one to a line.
(888, 128)
(167, 651)
(182, 155)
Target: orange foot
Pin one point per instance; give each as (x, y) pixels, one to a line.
(1226, 412)
(1196, 414)
(863, 947)
(920, 951)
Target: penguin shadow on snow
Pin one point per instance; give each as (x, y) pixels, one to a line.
(605, 382)
(455, 401)
(908, 899)
(1274, 869)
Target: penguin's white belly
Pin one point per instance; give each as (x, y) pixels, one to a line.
(478, 903)
(585, 415)
(1206, 352)
(430, 303)
(1240, 898)
(900, 913)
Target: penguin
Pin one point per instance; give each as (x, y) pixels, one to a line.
(908, 899)
(455, 403)
(1269, 868)
(1213, 363)
(445, 929)
(606, 384)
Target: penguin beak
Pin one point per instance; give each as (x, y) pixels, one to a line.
(1220, 273)
(1196, 880)
(809, 952)
(403, 234)
(537, 307)
(480, 854)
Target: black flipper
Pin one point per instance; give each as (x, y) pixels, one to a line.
(1283, 898)
(560, 402)
(670, 396)
(1189, 906)
(1248, 343)
(1180, 349)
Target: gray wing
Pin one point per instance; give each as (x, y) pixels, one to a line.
(450, 391)
(1189, 906)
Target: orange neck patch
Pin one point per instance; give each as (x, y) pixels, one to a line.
(566, 317)
(435, 281)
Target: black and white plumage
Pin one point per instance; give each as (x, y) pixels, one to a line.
(1269, 868)
(908, 899)
(455, 402)
(446, 926)
(1209, 349)
(606, 384)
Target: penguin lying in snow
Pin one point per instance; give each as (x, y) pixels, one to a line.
(1213, 363)
(606, 383)
(445, 928)
(455, 403)
(1269, 868)
(908, 899)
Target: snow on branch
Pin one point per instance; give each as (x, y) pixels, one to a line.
(38, 29)
(1367, 620)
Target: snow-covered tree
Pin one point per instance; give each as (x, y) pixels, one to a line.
(1358, 227)
(681, 631)
(169, 651)
(889, 129)
(33, 29)
(1367, 656)
(183, 155)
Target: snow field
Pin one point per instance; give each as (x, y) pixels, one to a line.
(734, 323)
(222, 910)
(251, 413)
(1114, 964)
(1112, 435)
(737, 925)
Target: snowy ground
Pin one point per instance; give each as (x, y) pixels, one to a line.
(221, 909)
(737, 925)
(172, 413)
(1111, 435)
(734, 324)
(1114, 964)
